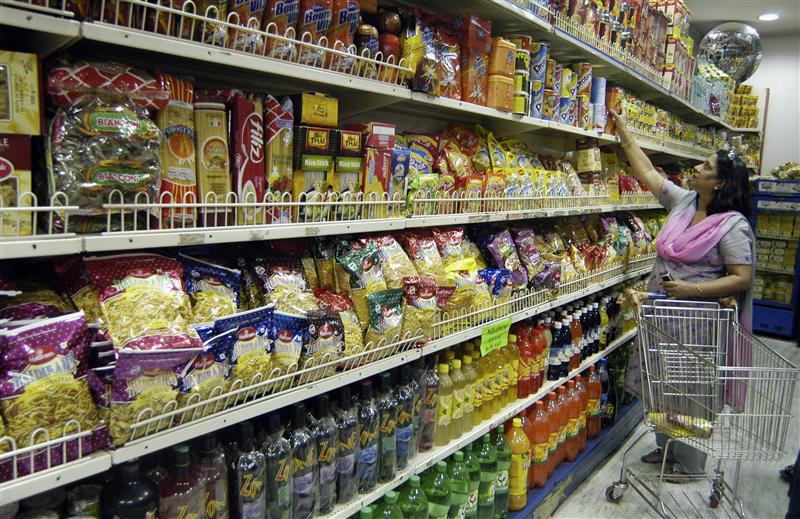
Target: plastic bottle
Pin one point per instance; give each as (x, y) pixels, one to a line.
(520, 463)
(474, 469)
(608, 401)
(525, 361)
(459, 390)
(554, 360)
(512, 354)
(576, 331)
(437, 490)
(566, 350)
(459, 485)
(449, 356)
(572, 443)
(419, 396)
(603, 323)
(445, 411)
(405, 418)
(365, 513)
(182, 491)
(503, 449)
(412, 501)
(368, 431)
(540, 445)
(502, 359)
(280, 469)
(214, 470)
(430, 406)
(128, 495)
(594, 390)
(305, 479)
(540, 352)
(471, 379)
(388, 508)
(487, 458)
(554, 420)
(327, 439)
(563, 423)
(583, 398)
(387, 417)
(347, 432)
(483, 389)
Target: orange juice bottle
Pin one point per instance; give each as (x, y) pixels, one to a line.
(563, 422)
(520, 463)
(554, 421)
(583, 396)
(576, 330)
(540, 445)
(594, 389)
(573, 406)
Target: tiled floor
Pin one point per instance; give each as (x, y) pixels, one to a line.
(761, 490)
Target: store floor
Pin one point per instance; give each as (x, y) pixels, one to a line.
(761, 489)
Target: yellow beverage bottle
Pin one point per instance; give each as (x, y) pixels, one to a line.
(520, 463)
(480, 388)
(502, 369)
(444, 415)
(470, 400)
(449, 355)
(489, 386)
(459, 388)
(603, 323)
(513, 355)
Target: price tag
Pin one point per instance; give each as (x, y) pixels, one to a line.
(191, 238)
(494, 336)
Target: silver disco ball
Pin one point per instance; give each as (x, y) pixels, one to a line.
(735, 48)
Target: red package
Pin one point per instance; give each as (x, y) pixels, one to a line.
(343, 27)
(476, 33)
(280, 16)
(315, 19)
(247, 160)
(467, 140)
(449, 68)
(68, 82)
(450, 242)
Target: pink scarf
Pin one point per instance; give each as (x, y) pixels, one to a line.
(681, 243)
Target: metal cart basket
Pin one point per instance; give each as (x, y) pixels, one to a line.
(709, 383)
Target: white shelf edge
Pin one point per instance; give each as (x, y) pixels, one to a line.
(426, 460)
(38, 246)
(27, 486)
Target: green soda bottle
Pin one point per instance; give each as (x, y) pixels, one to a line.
(365, 513)
(413, 502)
(487, 458)
(503, 449)
(388, 508)
(459, 485)
(474, 470)
(437, 490)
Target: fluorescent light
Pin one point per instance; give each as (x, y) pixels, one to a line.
(769, 17)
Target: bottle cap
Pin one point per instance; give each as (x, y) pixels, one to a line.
(456, 364)
(578, 378)
(570, 383)
(500, 428)
(390, 497)
(181, 455)
(444, 368)
(208, 443)
(405, 374)
(487, 438)
(384, 382)
(441, 466)
(299, 416)
(449, 354)
(365, 513)
(344, 397)
(366, 388)
(467, 360)
(561, 389)
(512, 338)
(413, 481)
(516, 422)
(458, 456)
(538, 404)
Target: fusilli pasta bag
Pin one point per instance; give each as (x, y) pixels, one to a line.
(213, 289)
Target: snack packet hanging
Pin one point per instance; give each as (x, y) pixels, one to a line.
(386, 318)
(449, 70)
(250, 348)
(323, 341)
(287, 335)
(78, 286)
(206, 376)
(213, 289)
(426, 74)
(420, 308)
(450, 243)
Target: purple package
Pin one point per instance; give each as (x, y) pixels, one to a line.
(502, 249)
(550, 277)
(525, 240)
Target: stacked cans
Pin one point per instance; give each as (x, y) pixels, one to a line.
(598, 99)
(538, 72)
(522, 82)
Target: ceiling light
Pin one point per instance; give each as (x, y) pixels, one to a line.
(769, 17)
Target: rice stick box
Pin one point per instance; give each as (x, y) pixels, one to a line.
(313, 158)
(15, 184)
(278, 120)
(247, 150)
(20, 95)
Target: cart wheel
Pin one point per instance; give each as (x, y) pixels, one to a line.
(614, 493)
(713, 499)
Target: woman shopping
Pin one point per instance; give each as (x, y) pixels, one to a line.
(705, 252)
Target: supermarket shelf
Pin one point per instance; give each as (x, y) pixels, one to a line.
(38, 31)
(769, 302)
(426, 460)
(24, 487)
(786, 271)
(767, 236)
(745, 130)
(40, 245)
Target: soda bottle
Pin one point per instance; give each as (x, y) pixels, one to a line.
(368, 431)
(459, 390)
(279, 461)
(306, 469)
(430, 406)
(608, 400)
(419, 396)
(576, 332)
(572, 443)
(540, 353)
(583, 397)
(483, 393)
(512, 355)
(449, 356)
(554, 360)
(214, 470)
(365, 513)
(459, 485)
(326, 436)
(566, 350)
(504, 371)
(594, 390)
(603, 323)
(540, 445)
(554, 420)
(182, 491)
(437, 491)
(474, 469)
(405, 418)
(487, 458)
(563, 423)
(387, 417)
(347, 435)
(520, 463)
(445, 412)
(388, 508)
(128, 495)
(503, 449)
(412, 500)
(471, 378)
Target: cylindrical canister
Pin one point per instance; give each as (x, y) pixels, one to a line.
(521, 103)
(550, 74)
(537, 99)
(573, 84)
(584, 112)
(539, 62)
(599, 117)
(550, 105)
(521, 41)
(566, 79)
(522, 71)
(583, 72)
(563, 110)
(557, 78)
(572, 112)
(599, 90)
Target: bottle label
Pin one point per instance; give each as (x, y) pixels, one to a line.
(593, 408)
(437, 511)
(539, 453)
(445, 410)
(582, 421)
(469, 401)
(602, 407)
(477, 395)
(486, 490)
(458, 404)
(553, 444)
(502, 481)
(572, 427)
(513, 373)
(471, 508)
(562, 434)
(520, 463)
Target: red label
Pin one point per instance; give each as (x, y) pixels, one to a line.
(246, 334)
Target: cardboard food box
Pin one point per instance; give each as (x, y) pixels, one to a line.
(376, 135)
(313, 159)
(20, 94)
(15, 184)
(375, 173)
(316, 109)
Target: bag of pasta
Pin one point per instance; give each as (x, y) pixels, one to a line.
(213, 289)
(386, 320)
(363, 264)
(145, 382)
(525, 240)
(341, 305)
(206, 376)
(250, 349)
(470, 299)
(450, 242)
(324, 263)
(143, 302)
(79, 287)
(33, 301)
(420, 309)
(284, 283)
(250, 295)
(323, 342)
(424, 255)
(394, 261)
(287, 334)
(502, 249)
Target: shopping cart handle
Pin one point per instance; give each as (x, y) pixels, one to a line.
(657, 295)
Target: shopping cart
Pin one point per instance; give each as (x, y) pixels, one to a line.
(709, 383)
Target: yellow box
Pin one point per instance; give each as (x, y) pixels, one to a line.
(20, 96)
(15, 184)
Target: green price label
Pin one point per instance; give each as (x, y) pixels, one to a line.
(494, 336)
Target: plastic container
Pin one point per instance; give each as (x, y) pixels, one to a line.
(500, 92)
(502, 58)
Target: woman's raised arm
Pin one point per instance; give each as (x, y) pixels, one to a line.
(641, 166)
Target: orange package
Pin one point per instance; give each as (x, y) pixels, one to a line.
(251, 14)
(342, 32)
(280, 16)
(474, 77)
(315, 19)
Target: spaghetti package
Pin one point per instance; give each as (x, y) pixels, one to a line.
(143, 302)
(247, 149)
(386, 317)
(250, 347)
(424, 255)
(421, 308)
(287, 333)
(395, 263)
(33, 302)
(315, 18)
(178, 167)
(280, 16)
(325, 263)
(250, 15)
(206, 376)
(285, 285)
(353, 337)
(42, 385)
(341, 33)
(278, 121)
(78, 286)
(213, 289)
(323, 341)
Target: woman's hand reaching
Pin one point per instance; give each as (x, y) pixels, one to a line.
(680, 289)
(621, 122)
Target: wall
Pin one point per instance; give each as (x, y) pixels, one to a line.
(780, 72)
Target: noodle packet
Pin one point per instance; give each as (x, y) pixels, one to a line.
(421, 308)
(250, 348)
(36, 302)
(213, 289)
(323, 341)
(366, 276)
(287, 335)
(250, 295)
(450, 243)
(285, 284)
(79, 287)
(424, 255)
(206, 376)
(467, 140)
(394, 261)
(324, 262)
(501, 248)
(386, 317)
(144, 380)
(353, 337)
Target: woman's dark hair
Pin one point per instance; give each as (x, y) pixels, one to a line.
(734, 193)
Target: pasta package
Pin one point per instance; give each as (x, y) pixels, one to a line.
(285, 285)
(278, 121)
(394, 261)
(42, 385)
(287, 333)
(213, 289)
(79, 287)
(143, 380)
(250, 351)
(386, 317)
(206, 376)
(143, 302)
(325, 263)
(323, 341)
(33, 302)
(353, 337)
(363, 264)
(424, 254)
(421, 307)
(247, 151)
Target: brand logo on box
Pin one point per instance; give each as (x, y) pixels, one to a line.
(317, 139)
(254, 138)
(6, 167)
